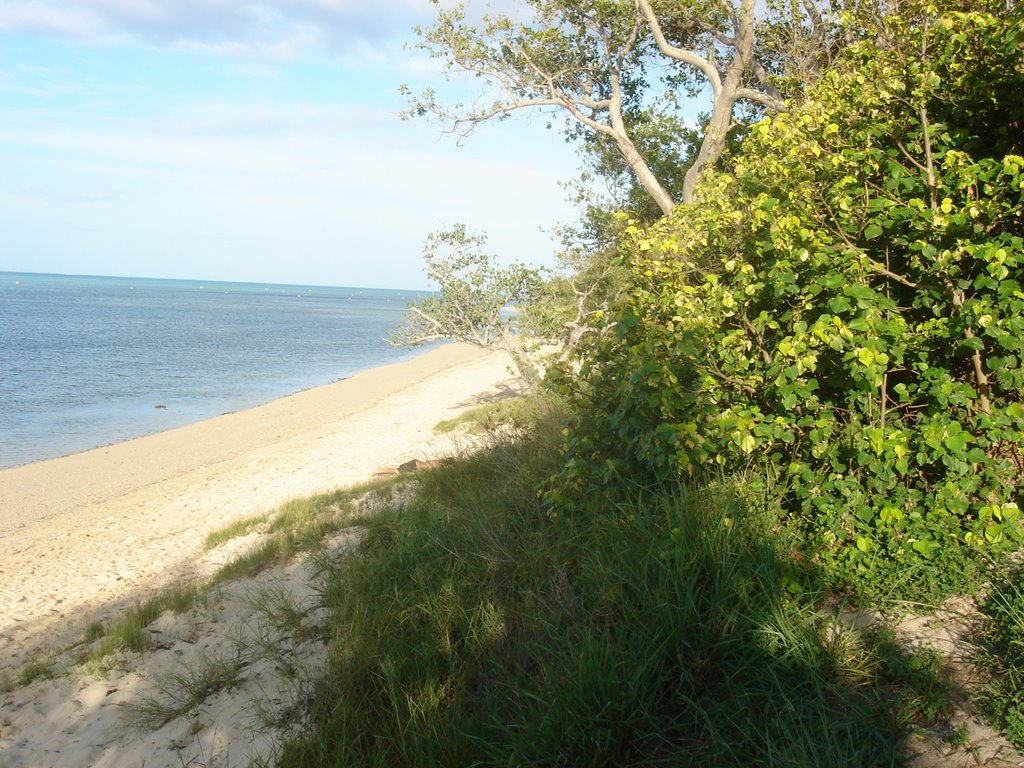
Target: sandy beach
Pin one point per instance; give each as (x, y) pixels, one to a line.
(83, 535)
(86, 534)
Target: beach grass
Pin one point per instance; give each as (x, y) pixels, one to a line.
(475, 626)
(295, 526)
(299, 525)
(37, 669)
(282, 613)
(128, 632)
(183, 692)
(998, 648)
(516, 411)
(233, 530)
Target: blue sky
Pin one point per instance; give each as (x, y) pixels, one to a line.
(243, 140)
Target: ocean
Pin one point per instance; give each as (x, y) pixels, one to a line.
(90, 361)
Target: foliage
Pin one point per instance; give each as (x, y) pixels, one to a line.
(999, 650)
(596, 63)
(513, 413)
(471, 628)
(846, 306)
(582, 59)
(473, 292)
(572, 304)
(475, 297)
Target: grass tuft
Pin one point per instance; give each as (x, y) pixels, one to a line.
(515, 412)
(128, 634)
(233, 530)
(37, 670)
(182, 693)
(998, 648)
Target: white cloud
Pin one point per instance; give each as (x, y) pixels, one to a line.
(161, 174)
(220, 26)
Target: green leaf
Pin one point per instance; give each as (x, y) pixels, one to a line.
(926, 547)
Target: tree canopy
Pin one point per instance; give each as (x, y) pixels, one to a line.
(613, 69)
(476, 298)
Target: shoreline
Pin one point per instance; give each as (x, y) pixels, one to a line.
(199, 416)
(90, 533)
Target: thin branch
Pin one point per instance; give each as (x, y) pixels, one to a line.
(929, 160)
(758, 338)
(980, 377)
(876, 267)
(714, 371)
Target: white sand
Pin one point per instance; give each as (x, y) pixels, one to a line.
(85, 536)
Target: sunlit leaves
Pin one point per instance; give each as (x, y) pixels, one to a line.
(846, 305)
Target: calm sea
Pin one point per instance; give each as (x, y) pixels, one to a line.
(89, 361)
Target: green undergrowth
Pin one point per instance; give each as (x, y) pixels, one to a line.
(999, 649)
(514, 412)
(478, 626)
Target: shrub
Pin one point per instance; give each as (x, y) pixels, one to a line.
(847, 307)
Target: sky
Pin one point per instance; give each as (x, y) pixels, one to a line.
(249, 140)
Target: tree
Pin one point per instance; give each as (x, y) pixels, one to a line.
(573, 303)
(599, 64)
(476, 299)
(730, 68)
(581, 57)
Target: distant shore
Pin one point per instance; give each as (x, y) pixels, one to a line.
(87, 534)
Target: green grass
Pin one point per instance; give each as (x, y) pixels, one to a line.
(28, 674)
(233, 530)
(128, 633)
(295, 526)
(998, 644)
(479, 624)
(476, 627)
(514, 411)
(180, 694)
(281, 612)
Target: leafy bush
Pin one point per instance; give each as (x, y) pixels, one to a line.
(847, 307)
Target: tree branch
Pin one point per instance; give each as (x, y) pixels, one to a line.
(679, 54)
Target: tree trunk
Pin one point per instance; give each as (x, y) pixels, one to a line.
(726, 91)
(645, 175)
(713, 144)
(632, 156)
(528, 371)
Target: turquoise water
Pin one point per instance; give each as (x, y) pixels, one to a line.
(89, 361)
